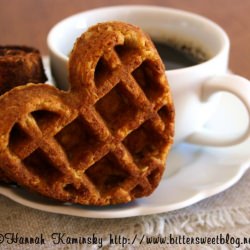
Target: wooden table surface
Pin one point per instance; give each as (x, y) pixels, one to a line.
(27, 22)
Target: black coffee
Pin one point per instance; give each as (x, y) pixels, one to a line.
(176, 57)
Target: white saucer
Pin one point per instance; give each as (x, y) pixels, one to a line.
(193, 173)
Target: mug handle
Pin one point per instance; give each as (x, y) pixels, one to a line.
(238, 86)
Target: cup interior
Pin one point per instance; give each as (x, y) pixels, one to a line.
(162, 24)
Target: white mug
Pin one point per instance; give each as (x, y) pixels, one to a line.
(195, 89)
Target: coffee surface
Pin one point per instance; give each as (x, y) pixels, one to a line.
(176, 58)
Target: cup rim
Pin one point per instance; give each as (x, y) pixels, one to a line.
(56, 51)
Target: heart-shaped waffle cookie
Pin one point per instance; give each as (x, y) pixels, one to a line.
(106, 140)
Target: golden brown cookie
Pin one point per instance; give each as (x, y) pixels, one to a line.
(106, 140)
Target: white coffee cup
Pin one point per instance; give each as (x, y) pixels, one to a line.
(195, 89)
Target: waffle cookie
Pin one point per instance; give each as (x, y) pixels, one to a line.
(4, 178)
(19, 65)
(106, 140)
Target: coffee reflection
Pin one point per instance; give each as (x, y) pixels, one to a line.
(177, 57)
